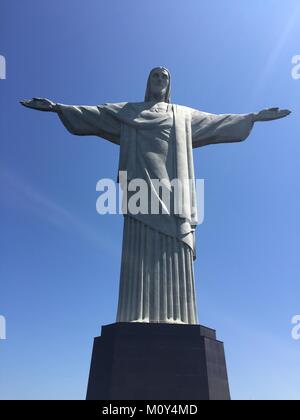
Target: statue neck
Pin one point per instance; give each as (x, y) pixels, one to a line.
(157, 98)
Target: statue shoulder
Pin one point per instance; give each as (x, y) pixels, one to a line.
(183, 109)
(125, 106)
(114, 105)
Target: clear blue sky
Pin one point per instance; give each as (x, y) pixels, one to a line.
(60, 260)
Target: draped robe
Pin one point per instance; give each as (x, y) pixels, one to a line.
(156, 142)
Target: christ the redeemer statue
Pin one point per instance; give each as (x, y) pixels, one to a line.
(156, 139)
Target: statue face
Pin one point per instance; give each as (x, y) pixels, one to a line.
(159, 81)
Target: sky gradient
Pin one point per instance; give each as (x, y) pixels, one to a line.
(60, 260)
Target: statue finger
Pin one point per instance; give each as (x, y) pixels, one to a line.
(25, 102)
(283, 113)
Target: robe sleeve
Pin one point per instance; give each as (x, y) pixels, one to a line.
(90, 121)
(224, 128)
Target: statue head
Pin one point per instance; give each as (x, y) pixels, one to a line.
(158, 85)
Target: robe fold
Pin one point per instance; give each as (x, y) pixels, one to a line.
(156, 142)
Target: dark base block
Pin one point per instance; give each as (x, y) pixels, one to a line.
(134, 361)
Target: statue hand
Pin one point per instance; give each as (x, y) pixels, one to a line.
(271, 114)
(39, 104)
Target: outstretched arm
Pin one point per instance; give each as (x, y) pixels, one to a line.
(227, 128)
(81, 120)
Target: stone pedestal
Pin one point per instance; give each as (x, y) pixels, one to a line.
(135, 361)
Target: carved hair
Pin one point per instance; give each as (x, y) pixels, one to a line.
(148, 90)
